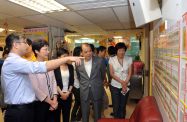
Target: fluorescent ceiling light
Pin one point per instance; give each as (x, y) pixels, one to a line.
(73, 35)
(162, 35)
(2, 29)
(92, 34)
(42, 6)
(117, 37)
(11, 30)
(78, 41)
(85, 40)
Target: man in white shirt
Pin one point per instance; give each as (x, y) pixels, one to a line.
(18, 92)
(91, 74)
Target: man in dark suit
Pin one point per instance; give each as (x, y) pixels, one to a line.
(91, 74)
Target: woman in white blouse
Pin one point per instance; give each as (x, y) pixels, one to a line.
(120, 71)
(65, 79)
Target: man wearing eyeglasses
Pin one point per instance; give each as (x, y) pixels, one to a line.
(18, 92)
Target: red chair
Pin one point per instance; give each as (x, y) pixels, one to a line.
(146, 111)
(138, 67)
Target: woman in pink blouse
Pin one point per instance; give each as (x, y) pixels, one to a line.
(44, 85)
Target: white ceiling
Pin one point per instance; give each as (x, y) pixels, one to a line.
(84, 16)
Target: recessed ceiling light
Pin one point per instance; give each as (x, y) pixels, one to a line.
(42, 6)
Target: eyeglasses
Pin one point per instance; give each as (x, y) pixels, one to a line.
(45, 49)
(22, 42)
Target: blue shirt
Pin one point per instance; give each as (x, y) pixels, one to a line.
(16, 84)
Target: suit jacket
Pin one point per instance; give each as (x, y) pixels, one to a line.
(95, 81)
(59, 77)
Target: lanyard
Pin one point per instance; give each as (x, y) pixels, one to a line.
(48, 85)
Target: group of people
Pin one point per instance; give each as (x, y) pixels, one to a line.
(39, 91)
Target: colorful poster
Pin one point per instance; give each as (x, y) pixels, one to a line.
(36, 33)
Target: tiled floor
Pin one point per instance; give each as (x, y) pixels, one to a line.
(130, 107)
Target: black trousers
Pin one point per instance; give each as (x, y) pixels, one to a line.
(76, 111)
(85, 108)
(42, 112)
(19, 113)
(119, 102)
(65, 107)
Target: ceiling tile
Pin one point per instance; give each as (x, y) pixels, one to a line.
(20, 22)
(67, 2)
(92, 15)
(4, 16)
(71, 28)
(44, 20)
(97, 4)
(123, 13)
(90, 28)
(70, 18)
(9, 8)
(111, 26)
(99, 15)
(126, 25)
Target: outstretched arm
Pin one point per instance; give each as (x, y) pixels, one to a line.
(53, 64)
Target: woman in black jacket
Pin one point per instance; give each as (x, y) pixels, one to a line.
(65, 80)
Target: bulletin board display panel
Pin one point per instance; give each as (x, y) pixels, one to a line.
(167, 57)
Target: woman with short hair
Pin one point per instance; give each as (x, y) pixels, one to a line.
(120, 72)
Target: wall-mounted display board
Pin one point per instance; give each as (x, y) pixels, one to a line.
(183, 72)
(166, 68)
(170, 69)
(134, 48)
